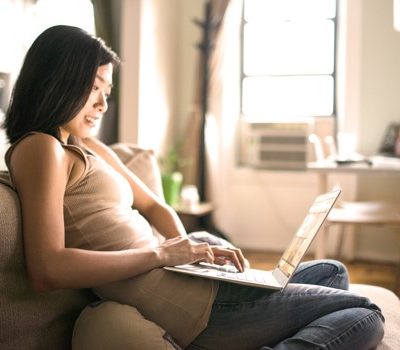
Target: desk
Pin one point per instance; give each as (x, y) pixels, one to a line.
(325, 168)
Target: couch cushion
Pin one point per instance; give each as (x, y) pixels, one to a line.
(142, 163)
(29, 320)
(111, 326)
(390, 305)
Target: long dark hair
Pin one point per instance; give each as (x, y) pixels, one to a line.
(55, 80)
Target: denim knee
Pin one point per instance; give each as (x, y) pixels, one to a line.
(348, 329)
(327, 272)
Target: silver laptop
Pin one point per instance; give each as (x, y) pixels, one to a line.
(284, 270)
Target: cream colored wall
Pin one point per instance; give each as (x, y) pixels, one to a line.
(149, 71)
(13, 16)
(379, 89)
(158, 72)
(159, 59)
(189, 35)
(129, 70)
(380, 73)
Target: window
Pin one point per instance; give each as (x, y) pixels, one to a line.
(47, 13)
(288, 65)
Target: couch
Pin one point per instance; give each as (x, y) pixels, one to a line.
(76, 319)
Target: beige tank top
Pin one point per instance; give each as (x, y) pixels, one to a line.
(98, 216)
(97, 209)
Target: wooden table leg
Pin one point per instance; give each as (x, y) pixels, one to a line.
(320, 240)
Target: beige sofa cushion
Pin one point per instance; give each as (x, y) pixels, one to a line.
(142, 163)
(112, 326)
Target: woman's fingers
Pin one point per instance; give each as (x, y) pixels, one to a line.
(181, 250)
(204, 252)
(240, 256)
(234, 255)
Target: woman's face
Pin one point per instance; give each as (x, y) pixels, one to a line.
(87, 121)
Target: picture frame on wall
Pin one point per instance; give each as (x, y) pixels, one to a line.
(390, 145)
(4, 100)
(4, 91)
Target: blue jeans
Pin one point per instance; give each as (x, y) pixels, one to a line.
(313, 312)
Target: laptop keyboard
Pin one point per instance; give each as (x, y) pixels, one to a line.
(249, 275)
(223, 268)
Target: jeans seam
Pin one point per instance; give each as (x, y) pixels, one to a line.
(334, 279)
(350, 329)
(222, 306)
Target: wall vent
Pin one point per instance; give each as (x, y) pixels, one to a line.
(275, 145)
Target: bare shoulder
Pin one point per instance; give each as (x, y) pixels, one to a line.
(41, 140)
(38, 146)
(38, 154)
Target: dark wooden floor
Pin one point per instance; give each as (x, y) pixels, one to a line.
(379, 274)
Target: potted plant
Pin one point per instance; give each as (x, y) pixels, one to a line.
(171, 175)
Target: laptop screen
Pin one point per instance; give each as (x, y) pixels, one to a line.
(306, 232)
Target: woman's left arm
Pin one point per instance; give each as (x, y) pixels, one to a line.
(153, 208)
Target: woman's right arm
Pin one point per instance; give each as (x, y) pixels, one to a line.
(41, 168)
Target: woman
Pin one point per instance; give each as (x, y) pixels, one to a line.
(80, 229)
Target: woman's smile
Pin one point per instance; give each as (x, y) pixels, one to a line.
(93, 121)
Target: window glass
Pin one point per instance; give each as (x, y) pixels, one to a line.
(288, 9)
(289, 48)
(287, 97)
(288, 64)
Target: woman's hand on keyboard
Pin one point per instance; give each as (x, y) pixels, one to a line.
(181, 250)
(224, 255)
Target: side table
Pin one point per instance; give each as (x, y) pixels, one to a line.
(194, 219)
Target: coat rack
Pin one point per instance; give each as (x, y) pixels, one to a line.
(208, 26)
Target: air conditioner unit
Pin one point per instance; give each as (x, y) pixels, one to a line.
(276, 145)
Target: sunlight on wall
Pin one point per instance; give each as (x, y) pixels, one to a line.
(47, 13)
(13, 32)
(152, 103)
(21, 23)
(155, 102)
